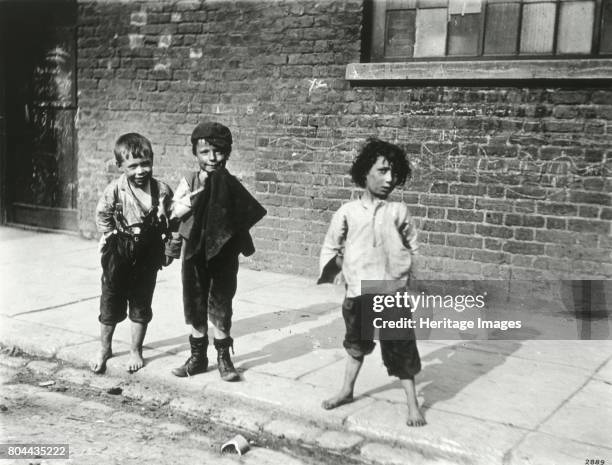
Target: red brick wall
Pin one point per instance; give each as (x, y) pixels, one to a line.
(508, 180)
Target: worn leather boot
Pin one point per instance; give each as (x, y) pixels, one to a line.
(197, 362)
(224, 362)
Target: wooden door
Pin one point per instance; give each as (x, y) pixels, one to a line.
(40, 108)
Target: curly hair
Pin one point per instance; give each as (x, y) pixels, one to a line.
(132, 145)
(371, 150)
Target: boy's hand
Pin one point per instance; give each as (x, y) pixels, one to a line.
(181, 206)
(167, 260)
(339, 261)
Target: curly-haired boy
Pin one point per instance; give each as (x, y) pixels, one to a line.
(373, 239)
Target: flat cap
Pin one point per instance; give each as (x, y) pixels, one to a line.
(214, 133)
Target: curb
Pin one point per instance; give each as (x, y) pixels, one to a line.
(234, 412)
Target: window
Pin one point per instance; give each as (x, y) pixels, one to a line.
(426, 30)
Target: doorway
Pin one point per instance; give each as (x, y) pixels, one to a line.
(38, 112)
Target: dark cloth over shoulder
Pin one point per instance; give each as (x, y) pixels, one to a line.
(223, 212)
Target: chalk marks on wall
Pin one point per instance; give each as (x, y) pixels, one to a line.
(316, 84)
(523, 175)
(525, 169)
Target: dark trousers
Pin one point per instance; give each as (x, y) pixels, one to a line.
(208, 289)
(128, 282)
(400, 356)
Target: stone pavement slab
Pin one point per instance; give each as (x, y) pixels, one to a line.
(293, 430)
(575, 354)
(294, 350)
(605, 371)
(396, 455)
(585, 417)
(259, 279)
(37, 338)
(298, 399)
(42, 367)
(544, 449)
(262, 456)
(74, 317)
(41, 262)
(336, 440)
(455, 387)
(56, 291)
(22, 246)
(292, 297)
(460, 380)
(459, 438)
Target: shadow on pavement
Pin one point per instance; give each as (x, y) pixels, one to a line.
(448, 370)
(283, 349)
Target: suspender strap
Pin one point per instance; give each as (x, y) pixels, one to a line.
(120, 218)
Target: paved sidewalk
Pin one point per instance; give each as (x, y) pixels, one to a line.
(486, 402)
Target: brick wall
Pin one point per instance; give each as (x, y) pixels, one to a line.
(508, 180)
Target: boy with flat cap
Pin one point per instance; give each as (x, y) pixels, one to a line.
(214, 213)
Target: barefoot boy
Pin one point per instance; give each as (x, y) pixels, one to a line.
(131, 215)
(373, 239)
(215, 213)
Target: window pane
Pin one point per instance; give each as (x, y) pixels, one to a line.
(400, 33)
(575, 31)
(430, 32)
(501, 32)
(463, 34)
(606, 32)
(538, 28)
(377, 47)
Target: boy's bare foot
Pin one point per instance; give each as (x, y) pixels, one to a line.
(98, 365)
(136, 362)
(415, 418)
(337, 401)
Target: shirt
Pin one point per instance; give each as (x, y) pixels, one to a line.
(181, 206)
(376, 239)
(183, 194)
(119, 191)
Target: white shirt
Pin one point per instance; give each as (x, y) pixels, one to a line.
(376, 239)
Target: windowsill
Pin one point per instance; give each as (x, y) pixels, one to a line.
(591, 68)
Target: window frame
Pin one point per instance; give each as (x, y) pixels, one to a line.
(480, 67)
(376, 32)
(560, 69)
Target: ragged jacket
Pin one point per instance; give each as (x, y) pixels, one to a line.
(219, 216)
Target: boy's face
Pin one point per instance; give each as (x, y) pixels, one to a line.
(210, 158)
(137, 170)
(379, 180)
